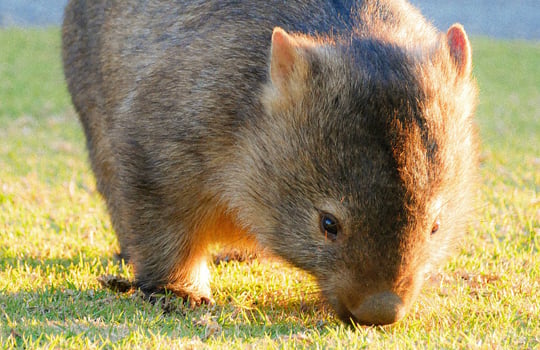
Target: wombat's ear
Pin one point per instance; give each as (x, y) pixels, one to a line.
(285, 58)
(460, 49)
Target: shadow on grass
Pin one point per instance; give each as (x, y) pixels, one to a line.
(43, 311)
(98, 315)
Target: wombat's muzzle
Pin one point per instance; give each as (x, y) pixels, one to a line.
(379, 309)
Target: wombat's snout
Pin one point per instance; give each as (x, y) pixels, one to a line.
(379, 309)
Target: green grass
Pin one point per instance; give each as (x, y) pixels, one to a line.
(56, 239)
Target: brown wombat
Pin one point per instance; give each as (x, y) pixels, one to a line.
(336, 134)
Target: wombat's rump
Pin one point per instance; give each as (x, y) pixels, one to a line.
(337, 134)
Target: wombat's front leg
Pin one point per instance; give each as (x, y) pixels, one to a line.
(166, 254)
(179, 266)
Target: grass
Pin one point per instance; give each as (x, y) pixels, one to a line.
(56, 239)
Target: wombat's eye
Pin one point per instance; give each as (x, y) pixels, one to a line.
(435, 227)
(329, 226)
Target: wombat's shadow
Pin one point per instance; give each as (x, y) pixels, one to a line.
(64, 308)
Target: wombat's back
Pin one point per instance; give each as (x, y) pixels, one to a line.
(116, 52)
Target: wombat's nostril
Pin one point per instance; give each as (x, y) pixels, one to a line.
(378, 309)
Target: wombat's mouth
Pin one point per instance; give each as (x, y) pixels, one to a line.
(376, 309)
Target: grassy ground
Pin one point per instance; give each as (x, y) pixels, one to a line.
(55, 237)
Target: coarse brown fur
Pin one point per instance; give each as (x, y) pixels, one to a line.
(207, 123)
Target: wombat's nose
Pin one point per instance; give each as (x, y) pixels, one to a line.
(378, 309)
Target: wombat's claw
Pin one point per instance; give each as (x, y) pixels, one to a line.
(194, 302)
(163, 295)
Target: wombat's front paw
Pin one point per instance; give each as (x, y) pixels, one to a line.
(194, 299)
(190, 298)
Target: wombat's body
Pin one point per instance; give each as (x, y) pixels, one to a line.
(342, 142)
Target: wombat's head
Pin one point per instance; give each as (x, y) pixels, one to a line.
(361, 169)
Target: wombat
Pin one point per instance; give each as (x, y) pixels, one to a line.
(336, 134)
